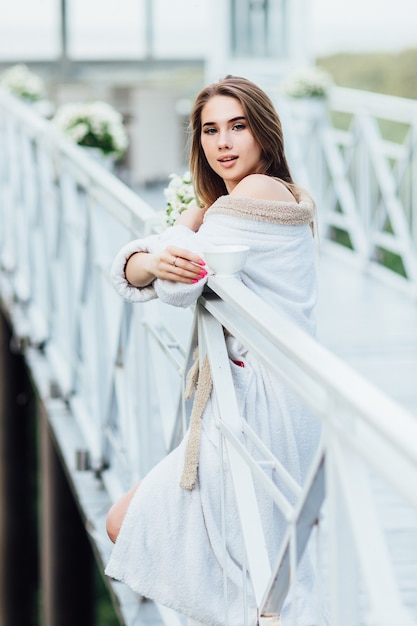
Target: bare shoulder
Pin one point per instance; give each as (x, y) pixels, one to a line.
(263, 187)
(192, 217)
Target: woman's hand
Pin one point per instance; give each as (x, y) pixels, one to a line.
(173, 263)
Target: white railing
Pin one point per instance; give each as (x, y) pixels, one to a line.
(363, 172)
(119, 369)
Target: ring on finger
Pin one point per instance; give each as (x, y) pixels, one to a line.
(174, 262)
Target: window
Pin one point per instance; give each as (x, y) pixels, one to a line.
(29, 30)
(259, 28)
(112, 29)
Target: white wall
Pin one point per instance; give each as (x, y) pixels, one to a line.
(156, 149)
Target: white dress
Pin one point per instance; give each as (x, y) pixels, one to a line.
(170, 546)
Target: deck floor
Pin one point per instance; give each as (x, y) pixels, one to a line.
(370, 322)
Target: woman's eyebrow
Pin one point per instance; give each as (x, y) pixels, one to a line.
(234, 119)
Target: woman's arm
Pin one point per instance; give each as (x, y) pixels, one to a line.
(173, 263)
(173, 256)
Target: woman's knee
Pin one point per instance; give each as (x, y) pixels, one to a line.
(117, 513)
(113, 522)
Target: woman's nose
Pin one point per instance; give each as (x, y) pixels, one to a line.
(224, 141)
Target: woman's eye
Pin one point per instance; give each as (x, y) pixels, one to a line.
(210, 131)
(239, 127)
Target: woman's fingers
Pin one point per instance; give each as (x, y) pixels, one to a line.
(181, 269)
(180, 265)
(186, 255)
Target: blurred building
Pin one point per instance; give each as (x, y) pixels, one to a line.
(150, 57)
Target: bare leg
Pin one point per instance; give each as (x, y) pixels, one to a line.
(117, 513)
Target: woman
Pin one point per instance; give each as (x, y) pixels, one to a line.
(241, 177)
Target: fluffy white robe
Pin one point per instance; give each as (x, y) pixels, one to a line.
(170, 546)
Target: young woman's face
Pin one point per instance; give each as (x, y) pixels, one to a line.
(230, 148)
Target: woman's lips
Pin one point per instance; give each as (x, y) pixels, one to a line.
(227, 161)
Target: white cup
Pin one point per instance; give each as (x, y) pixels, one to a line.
(226, 260)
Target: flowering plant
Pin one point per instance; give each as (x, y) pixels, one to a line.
(179, 195)
(310, 82)
(23, 83)
(93, 124)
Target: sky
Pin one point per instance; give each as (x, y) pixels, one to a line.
(27, 27)
(363, 25)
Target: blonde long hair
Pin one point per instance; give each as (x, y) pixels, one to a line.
(264, 124)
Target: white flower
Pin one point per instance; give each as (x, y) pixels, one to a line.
(23, 83)
(94, 124)
(179, 195)
(310, 82)
(78, 132)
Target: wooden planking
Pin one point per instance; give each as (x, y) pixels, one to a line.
(371, 323)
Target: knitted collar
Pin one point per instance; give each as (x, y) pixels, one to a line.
(278, 212)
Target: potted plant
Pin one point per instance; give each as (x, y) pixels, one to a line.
(23, 83)
(306, 91)
(309, 82)
(95, 125)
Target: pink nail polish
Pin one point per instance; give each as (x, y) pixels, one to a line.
(195, 280)
(202, 274)
(202, 262)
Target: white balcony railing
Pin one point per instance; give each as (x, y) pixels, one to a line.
(119, 369)
(357, 152)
